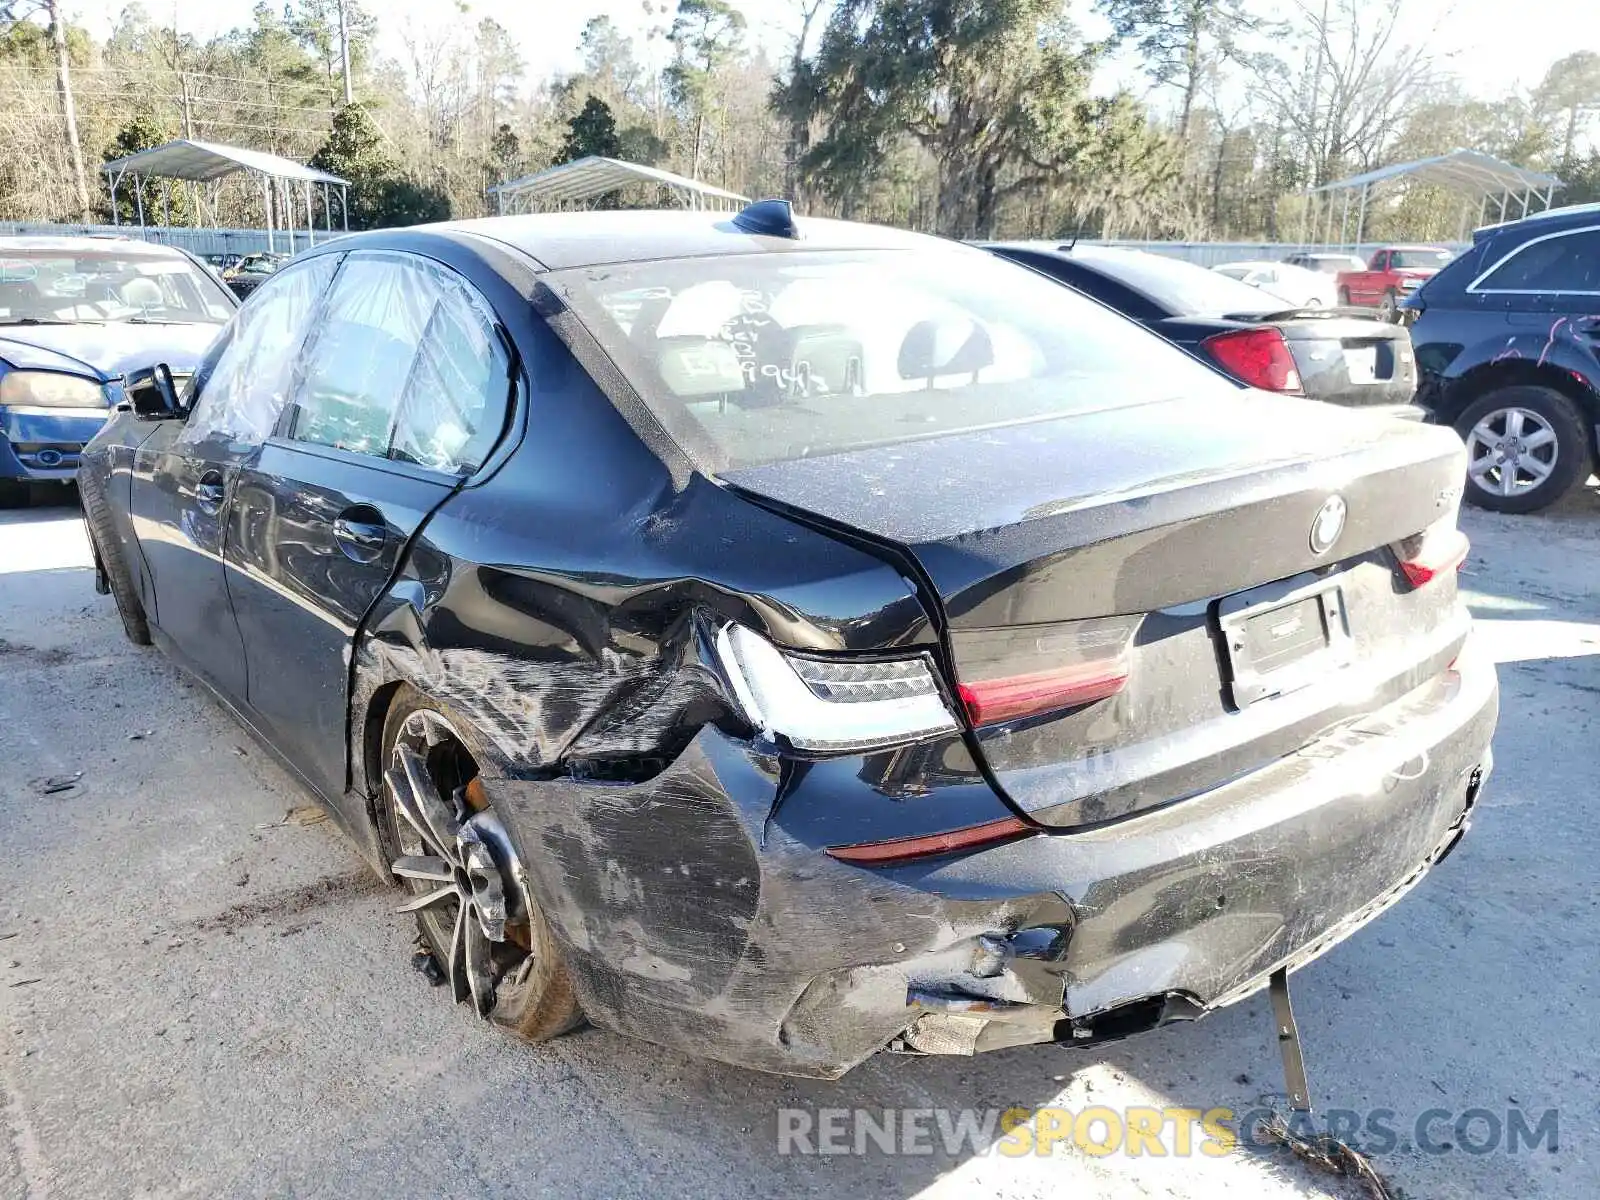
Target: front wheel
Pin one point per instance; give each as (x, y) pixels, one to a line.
(1390, 302)
(468, 885)
(1526, 448)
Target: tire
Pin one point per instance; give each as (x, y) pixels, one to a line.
(533, 999)
(1389, 303)
(109, 563)
(1344, 297)
(1550, 448)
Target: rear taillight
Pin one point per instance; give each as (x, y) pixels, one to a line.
(1260, 357)
(1437, 550)
(832, 705)
(898, 850)
(1027, 670)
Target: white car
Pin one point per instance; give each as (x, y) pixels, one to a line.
(1298, 286)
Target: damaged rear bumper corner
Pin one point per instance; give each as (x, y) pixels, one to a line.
(688, 922)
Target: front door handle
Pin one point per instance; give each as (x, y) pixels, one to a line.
(361, 533)
(210, 492)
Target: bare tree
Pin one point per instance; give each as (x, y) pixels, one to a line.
(1356, 83)
(69, 111)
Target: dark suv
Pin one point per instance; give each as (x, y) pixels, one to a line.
(1507, 338)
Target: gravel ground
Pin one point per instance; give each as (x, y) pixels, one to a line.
(203, 994)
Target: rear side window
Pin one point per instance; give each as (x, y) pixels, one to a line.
(752, 359)
(405, 364)
(244, 381)
(1566, 262)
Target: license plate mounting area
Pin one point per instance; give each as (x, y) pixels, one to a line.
(1283, 636)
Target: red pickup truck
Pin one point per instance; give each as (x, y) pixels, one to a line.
(1392, 274)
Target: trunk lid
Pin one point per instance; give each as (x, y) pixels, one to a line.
(1190, 518)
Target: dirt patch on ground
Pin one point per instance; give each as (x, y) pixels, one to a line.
(20, 651)
(290, 902)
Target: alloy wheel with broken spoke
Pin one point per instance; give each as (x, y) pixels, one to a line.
(468, 886)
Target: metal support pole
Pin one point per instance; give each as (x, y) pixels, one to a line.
(1344, 220)
(327, 209)
(111, 182)
(138, 203)
(266, 204)
(1525, 196)
(1361, 216)
(311, 217)
(344, 206)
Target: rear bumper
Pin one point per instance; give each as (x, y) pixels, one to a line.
(689, 919)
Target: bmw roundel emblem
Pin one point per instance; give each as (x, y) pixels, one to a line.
(1325, 530)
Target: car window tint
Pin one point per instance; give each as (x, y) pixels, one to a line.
(240, 393)
(454, 405)
(406, 364)
(1570, 263)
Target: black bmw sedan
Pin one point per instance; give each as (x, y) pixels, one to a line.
(786, 640)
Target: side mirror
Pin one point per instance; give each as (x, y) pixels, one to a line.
(152, 393)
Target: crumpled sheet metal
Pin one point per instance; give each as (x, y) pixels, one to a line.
(684, 931)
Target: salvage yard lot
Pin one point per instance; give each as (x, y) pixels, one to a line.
(203, 993)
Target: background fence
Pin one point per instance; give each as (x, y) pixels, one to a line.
(196, 241)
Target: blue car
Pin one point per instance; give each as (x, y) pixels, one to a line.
(76, 314)
(1507, 338)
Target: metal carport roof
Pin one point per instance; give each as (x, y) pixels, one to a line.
(1471, 173)
(208, 162)
(205, 162)
(587, 179)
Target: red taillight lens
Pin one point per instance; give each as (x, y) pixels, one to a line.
(1027, 670)
(1043, 691)
(1434, 552)
(1260, 357)
(897, 850)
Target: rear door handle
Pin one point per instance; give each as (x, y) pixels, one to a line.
(210, 492)
(361, 533)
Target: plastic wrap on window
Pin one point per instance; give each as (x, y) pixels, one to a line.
(246, 390)
(363, 352)
(455, 399)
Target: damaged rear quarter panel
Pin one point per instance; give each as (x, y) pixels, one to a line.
(558, 610)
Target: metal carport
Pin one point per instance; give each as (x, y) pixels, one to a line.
(208, 162)
(1472, 174)
(578, 184)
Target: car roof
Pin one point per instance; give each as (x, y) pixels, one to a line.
(562, 240)
(70, 245)
(1577, 213)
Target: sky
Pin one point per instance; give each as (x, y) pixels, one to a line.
(1491, 50)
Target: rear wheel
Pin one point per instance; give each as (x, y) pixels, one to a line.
(1390, 302)
(1526, 448)
(1344, 297)
(468, 885)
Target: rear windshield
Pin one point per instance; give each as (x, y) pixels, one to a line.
(753, 359)
(1419, 259)
(1183, 289)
